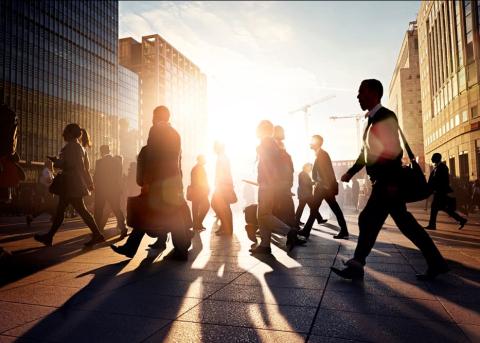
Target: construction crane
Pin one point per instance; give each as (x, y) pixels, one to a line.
(307, 107)
(358, 118)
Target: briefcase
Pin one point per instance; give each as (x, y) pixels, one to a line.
(142, 215)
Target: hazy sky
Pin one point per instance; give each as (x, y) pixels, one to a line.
(265, 59)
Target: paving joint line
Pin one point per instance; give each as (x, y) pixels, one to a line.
(321, 298)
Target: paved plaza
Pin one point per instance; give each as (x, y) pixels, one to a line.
(222, 294)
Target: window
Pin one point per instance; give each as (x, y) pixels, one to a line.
(464, 116)
(463, 164)
(474, 111)
(468, 16)
(457, 119)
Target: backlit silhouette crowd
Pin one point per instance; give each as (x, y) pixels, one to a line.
(157, 205)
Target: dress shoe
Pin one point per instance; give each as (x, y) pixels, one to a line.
(303, 233)
(354, 270)
(293, 240)
(199, 229)
(251, 232)
(122, 251)
(429, 227)
(341, 235)
(323, 221)
(259, 250)
(301, 223)
(46, 239)
(462, 223)
(159, 244)
(432, 273)
(95, 240)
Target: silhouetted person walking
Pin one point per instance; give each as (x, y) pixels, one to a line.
(199, 193)
(382, 156)
(160, 176)
(108, 181)
(439, 184)
(224, 194)
(75, 183)
(284, 207)
(326, 188)
(269, 176)
(305, 195)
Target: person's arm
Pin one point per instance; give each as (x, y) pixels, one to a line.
(87, 175)
(140, 167)
(357, 166)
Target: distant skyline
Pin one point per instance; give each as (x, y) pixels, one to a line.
(263, 59)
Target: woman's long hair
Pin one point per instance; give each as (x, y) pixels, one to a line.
(85, 139)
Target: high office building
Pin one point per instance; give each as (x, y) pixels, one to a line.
(449, 54)
(404, 97)
(128, 114)
(169, 78)
(59, 64)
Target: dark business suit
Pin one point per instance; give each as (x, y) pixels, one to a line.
(160, 176)
(107, 180)
(200, 190)
(381, 155)
(284, 208)
(326, 188)
(305, 196)
(439, 184)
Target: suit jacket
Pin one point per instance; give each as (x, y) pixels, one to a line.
(269, 163)
(108, 175)
(77, 178)
(305, 186)
(199, 181)
(323, 173)
(381, 153)
(439, 181)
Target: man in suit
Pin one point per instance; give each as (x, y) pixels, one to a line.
(284, 207)
(439, 184)
(382, 155)
(107, 180)
(305, 195)
(159, 174)
(268, 178)
(326, 188)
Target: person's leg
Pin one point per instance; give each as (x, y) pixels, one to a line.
(131, 245)
(299, 212)
(267, 222)
(314, 211)
(434, 211)
(339, 214)
(409, 226)
(370, 221)
(203, 208)
(82, 211)
(228, 226)
(59, 216)
(114, 202)
(195, 206)
(98, 211)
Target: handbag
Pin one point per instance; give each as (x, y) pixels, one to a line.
(58, 184)
(414, 186)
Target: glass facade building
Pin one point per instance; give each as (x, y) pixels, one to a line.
(59, 64)
(128, 113)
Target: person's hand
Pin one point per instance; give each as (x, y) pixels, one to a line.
(346, 177)
(91, 187)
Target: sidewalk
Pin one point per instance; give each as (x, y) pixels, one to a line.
(222, 294)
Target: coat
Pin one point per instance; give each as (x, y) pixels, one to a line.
(381, 153)
(76, 178)
(108, 176)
